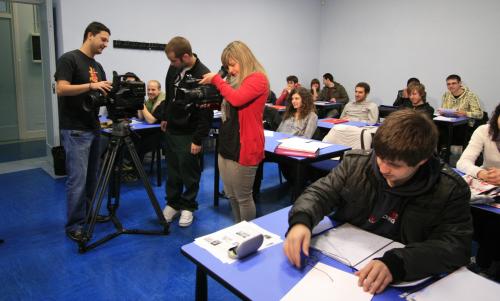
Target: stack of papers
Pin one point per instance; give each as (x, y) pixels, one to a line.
(302, 145)
(442, 118)
(220, 242)
(481, 192)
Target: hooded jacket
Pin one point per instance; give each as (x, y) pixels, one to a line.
(430, 213)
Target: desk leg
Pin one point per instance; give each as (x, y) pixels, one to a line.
(201, 285)
(299, 184)
(216, 174)
(450, 139)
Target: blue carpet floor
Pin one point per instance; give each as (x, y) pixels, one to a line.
(38, 262)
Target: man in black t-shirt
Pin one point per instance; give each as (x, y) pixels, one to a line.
(77, 74)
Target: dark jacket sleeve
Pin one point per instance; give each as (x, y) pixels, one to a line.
(343, 98)
(448, 246)
(399, 99)
(205, 117)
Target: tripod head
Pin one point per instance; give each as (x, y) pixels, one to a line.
(121, 128)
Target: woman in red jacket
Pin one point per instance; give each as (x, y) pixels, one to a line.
(241, 135)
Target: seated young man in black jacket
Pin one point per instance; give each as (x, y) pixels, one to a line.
(401, 191)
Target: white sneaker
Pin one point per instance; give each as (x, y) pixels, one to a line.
(170, 213)
(186, 218)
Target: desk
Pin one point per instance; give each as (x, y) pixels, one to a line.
(298, 163)
(449, 125)
(324, 106)
(266, 275)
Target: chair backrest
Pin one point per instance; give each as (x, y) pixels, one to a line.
(272, 118)
(353, 136)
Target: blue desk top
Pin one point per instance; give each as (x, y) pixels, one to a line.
(267, 275)
(272, 142)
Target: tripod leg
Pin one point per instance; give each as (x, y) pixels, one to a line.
(100, 189)
(145, 181)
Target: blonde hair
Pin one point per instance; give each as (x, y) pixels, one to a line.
(249, 64)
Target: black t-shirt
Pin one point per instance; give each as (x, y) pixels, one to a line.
(77, 68)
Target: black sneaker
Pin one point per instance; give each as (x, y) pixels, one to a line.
(75, 235)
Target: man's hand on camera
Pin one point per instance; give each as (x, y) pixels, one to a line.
(207, 78)
(163, 125)
(103, 86)
(195, 149)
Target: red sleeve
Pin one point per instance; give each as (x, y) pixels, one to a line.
(282, 98)
(253, 86)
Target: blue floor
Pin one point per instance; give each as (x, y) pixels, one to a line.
(22, 150)
(38, 262)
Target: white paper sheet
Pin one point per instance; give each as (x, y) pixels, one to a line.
(327, 283)
(218, 243)
(459, 285)
(349, 244)
(268, 133)
(380, 253)
(302, 144)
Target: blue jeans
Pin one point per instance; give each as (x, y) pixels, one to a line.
(82, 165)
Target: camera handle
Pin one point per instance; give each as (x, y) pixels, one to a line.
(120, 136)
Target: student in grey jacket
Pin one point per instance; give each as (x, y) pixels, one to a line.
(401, 191)
(300, 117)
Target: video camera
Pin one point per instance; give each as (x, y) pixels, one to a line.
(122, 101)
(194, 93)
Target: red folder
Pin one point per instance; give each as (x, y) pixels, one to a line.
(335, 120)
(278, 107)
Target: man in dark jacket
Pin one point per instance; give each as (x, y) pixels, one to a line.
(399, 191)
(185, 125)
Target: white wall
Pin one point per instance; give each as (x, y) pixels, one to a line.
(282, 33)
(385, 42)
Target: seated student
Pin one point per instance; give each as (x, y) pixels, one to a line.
(485, 140)
(418, 100)
(333, 92)
(315, 88)
(401, 191)
(460, 98)
(403, 97)
(466, 103)
(300, 117)
(362, 109)
(292, 82)
(152, 104)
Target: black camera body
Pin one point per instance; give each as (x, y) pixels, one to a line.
(122, 101)
(196, 94)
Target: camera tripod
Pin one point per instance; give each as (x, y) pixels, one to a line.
(120, 136)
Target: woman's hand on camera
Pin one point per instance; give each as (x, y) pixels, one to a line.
(207, 78)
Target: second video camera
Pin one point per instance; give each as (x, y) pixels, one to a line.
(197, 94)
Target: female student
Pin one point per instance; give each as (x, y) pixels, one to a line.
(241, 135)
(485, 140)
(300, 117)
(315, 88)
